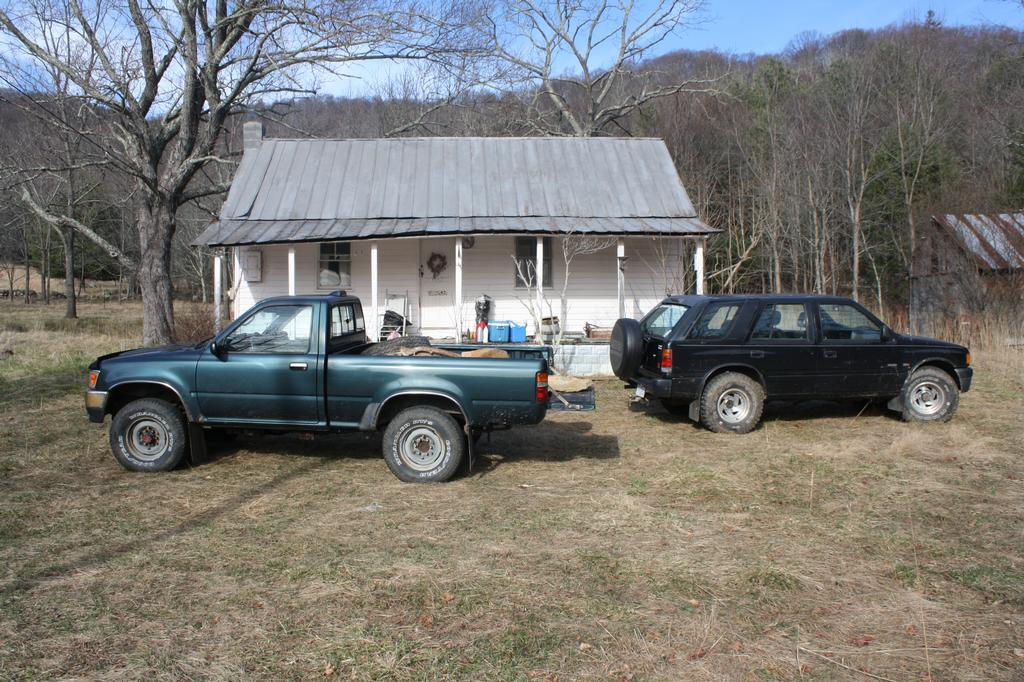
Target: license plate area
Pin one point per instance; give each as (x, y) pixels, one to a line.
(640, 392)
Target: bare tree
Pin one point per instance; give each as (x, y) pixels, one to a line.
(558, 50)
(168, 76)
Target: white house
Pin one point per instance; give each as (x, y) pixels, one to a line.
(429, 224)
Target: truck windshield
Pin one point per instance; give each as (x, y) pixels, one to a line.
(661, 320)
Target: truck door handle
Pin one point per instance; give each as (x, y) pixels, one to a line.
(757, 353)
(829, 353)
(298, 366)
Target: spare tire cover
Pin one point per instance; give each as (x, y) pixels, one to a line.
(626, 348)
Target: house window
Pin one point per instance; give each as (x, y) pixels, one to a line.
(526, 262)
(335, 265)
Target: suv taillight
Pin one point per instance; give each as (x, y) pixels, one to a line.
(542, 387)
(666, 360)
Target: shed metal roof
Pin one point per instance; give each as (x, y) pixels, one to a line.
(311, 190)
(994, 240)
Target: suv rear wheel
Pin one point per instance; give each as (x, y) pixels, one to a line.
(732, 403)
(930, 395)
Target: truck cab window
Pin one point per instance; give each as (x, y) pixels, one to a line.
(282, 329)
(346, 319)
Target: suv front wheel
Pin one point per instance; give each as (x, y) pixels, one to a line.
(930, 395)
(732, 403)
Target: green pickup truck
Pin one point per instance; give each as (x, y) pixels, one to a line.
(300, 363)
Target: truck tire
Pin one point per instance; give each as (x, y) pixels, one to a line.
(148, 435)
(392, 347)
(930, 395)
(423, 445)
(626, 348)
(732, 403)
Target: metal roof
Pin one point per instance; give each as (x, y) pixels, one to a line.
(994, 240)
(311, 190)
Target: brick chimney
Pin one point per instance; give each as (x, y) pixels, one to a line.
(252, 135)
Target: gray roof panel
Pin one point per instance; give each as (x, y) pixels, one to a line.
(299, 189)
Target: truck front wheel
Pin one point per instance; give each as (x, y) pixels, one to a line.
(148, 435)
(423, 445)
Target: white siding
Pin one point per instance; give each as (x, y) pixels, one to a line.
(653, 268)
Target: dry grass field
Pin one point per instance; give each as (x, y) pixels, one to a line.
(834, 542)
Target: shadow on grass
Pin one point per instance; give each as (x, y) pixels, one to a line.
(792, 411)
(549, 441)
(350, 445)
(203, 519)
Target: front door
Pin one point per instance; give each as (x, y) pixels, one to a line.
(265, 370)
(853, 357)
(437, 287)
(780, 345)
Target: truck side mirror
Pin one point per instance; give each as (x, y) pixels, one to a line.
(887, 334)
(218, 350)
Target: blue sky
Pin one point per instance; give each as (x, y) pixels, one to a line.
(767, 26)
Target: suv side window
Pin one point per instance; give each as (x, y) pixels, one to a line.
(781, 322)
(842, 323)
(282, 329)
(715, 321)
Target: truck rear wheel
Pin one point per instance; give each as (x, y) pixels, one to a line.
(423, 445)
(732, 403)
(148, 435)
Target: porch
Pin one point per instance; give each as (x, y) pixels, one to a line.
(436, 280)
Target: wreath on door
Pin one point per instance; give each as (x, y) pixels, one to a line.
(437, 263)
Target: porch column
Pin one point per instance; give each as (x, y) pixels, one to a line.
(375, 328)
(291, 270)
(698, 265)
(620, 267)
(218, 264)
(458, 288)
(539, 268)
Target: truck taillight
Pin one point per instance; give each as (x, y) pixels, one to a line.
(542, 387)
(666, 360)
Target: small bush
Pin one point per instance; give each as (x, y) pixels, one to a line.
(193, 323)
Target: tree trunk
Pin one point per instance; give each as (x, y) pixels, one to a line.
(28, 272)
(71, 309)
(156, 232)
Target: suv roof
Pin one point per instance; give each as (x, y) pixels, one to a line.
(691, 300)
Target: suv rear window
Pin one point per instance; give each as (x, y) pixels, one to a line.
(662, 319)
(715, 321)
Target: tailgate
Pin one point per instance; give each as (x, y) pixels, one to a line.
(580, 401)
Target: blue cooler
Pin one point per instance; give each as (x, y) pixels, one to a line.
(498, 332)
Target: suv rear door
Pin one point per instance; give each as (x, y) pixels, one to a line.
(854, 359)
(781, 346)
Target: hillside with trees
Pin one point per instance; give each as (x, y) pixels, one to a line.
(820, 164)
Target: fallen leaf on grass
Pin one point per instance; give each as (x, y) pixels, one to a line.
(447, 597)
(426, 620)
(328, 670)
(694, 603)
(1019, 653)
(694, 655)
(911, 629)
(864, 640)
(585, 647)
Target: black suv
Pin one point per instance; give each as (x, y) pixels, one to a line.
(717, 359)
